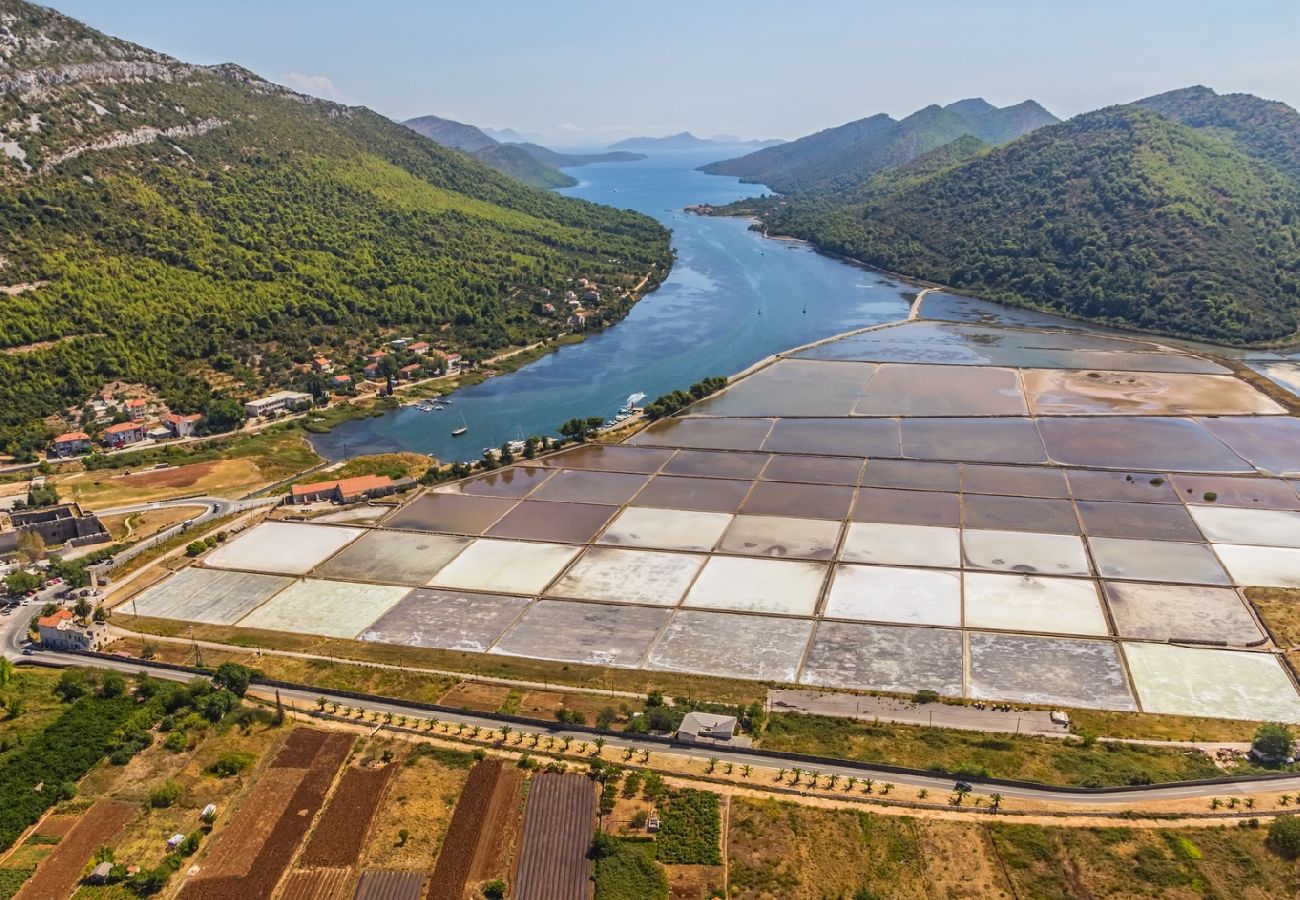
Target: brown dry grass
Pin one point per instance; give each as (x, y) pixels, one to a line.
(98, 489)
(1279, 609)
(959, 861)
(421, 796)
(695, 882)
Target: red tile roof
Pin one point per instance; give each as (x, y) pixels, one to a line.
(346, 486)
(52, 621)
(122, 427)
(72, 436)
(135, 403)
(177, 417)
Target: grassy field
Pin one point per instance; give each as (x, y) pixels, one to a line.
(1226, 861)
(420, 799)
(783, 850)
(136, 526)
(29, 705)
(1048, 760)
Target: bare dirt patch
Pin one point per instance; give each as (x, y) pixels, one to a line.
(1279, 609)
(472, 836)
(694, 882)
(317, 884)
(476, 696)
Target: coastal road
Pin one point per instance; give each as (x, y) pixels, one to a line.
(616, 744)
(212, 508)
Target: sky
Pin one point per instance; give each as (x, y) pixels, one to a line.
(582, 72)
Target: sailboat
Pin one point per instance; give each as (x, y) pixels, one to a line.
(462, 429)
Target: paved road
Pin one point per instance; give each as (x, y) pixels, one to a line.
(213, 508)
(941, 785)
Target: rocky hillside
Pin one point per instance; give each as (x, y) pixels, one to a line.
(203, 231)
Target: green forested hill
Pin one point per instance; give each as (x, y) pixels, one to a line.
(181, 226)
(845, 156)
(1121, 215)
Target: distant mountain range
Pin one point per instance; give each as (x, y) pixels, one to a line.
(1178, 214)
(530, 163)
(847, 154)
(684, 140)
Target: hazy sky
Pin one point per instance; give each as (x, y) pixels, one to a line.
(580, 71)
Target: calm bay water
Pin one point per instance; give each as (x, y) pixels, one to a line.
(732, 298)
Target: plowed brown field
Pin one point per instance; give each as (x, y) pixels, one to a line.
(341, 832)
(270, 852)
(471, 837)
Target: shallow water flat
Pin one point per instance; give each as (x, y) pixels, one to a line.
(329, 608)
(511, 482)
(1270, 443)
(577, 486)
(813, 469)
(446, 620)
(1261, 566)
(911, 474)
(1049, 671)
(890, 544)
(1028, 603)
(856, 656)
(703, 494)
(1226, 684)
(1264, 527)
(781, 537)
(1149, 521)
(716, 464)
(1168, 561)
(999, 513)
(1169, 612)
(1134, 442)
(758, 585)
(757, 647)
(666, 529)
(629, 576)
(399, 557)
(1015, 481)
(1142, 487)
(808, 501)
(973, 440)
(907, 507)
(207, 595)
(449, 512)
(1024, 552)
(792, 387)
(590, 633)
(1099, 393)
(1258, 493)
(886, 594)
(538, 520)
(834, 437)
(911, 390)
(505, 567)
(282, 548)
(705, 434)
(610, 458)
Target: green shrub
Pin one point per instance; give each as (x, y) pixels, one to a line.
(231, 763)
(165, 794)
(1284, 836)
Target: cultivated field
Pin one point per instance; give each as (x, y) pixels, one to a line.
(341, 833)
(250, 857)
(560, 819)
(58, 874)
(473, 840)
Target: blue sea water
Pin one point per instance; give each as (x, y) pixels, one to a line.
(733, 298)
